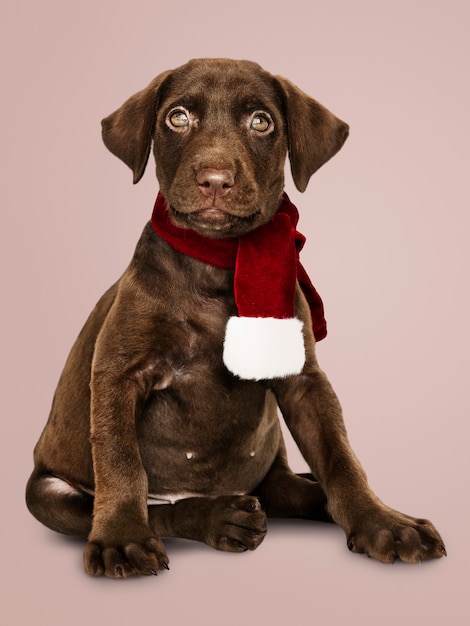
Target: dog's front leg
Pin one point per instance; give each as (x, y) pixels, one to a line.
(121, 542)
(313, 415)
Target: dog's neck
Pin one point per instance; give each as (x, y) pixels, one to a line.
(266, 262)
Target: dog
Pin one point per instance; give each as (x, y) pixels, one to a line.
(165, 420)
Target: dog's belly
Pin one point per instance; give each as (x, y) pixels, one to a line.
(212, 442)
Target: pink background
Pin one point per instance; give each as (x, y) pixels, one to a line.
(388, 230)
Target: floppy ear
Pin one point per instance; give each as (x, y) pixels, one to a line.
(314, 133)
(127, 132)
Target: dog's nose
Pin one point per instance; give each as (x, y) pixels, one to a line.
(215, 183)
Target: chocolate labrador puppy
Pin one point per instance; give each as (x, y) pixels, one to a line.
(165, 419)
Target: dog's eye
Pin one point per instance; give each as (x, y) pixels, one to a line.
(178, 118)
(261, 122)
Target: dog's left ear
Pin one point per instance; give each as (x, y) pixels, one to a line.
(127, 132)
(314, 133)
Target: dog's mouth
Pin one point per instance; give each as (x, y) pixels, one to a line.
(214, 222)
(212, 215)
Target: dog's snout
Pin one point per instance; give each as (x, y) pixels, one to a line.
(215, 183)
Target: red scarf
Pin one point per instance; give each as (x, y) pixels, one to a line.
(266, 263)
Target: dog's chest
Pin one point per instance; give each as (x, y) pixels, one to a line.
(200, 429)
(203, 430)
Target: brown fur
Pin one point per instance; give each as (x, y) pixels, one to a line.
(145, 405)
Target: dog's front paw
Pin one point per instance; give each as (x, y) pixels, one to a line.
(388, 535)
(126, 558)
(236, 524)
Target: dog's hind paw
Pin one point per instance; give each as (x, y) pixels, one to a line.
(121, 560)
(235, 524)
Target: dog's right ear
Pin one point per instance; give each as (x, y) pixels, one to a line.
(127, 132)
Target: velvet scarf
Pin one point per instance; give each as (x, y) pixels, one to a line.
(266, 267)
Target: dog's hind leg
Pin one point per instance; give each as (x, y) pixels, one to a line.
(285, 494)
(59, 505)
(231, 523)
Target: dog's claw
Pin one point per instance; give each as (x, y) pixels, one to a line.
(154, 572)
(119, 571)
(444, 551)
(165, 565)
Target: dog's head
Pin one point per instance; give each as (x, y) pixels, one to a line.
(221, 130)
